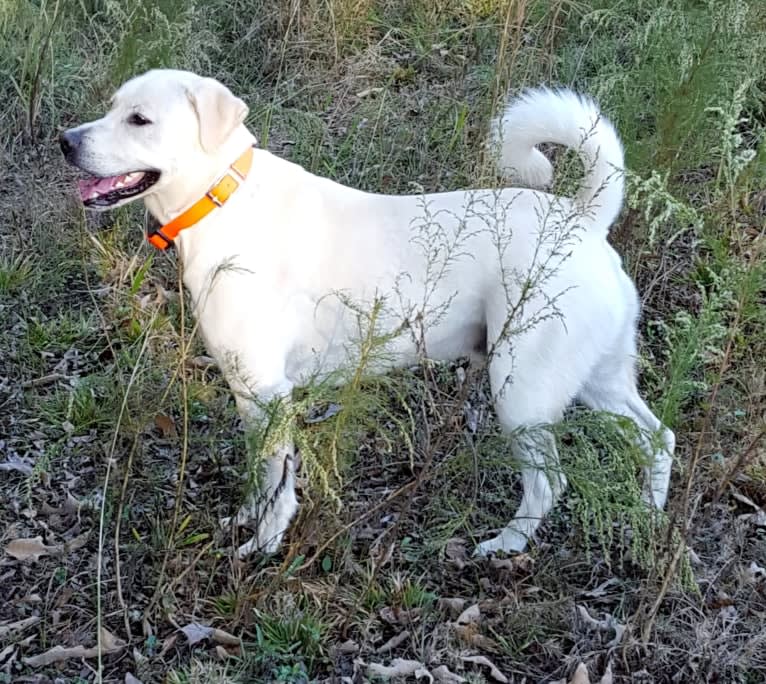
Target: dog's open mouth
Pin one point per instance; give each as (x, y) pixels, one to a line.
(103, 192)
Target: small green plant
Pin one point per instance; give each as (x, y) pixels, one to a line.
(603, 464)
(288, 644)
(89, 403)
(412, 594)
(15, 272)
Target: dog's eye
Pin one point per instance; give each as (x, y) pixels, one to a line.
(135, 119)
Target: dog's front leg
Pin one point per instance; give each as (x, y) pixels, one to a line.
(271, 502)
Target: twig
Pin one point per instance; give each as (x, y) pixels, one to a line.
(189, 567)
(117, 530)
(742, 460)
(44, 380)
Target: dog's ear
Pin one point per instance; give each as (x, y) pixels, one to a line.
(218, 110)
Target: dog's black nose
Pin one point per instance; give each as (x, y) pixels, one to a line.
(68, 141)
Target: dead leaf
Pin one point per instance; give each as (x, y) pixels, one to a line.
(368, 91)
(400, 616)
(225, 638)
(77, 543)
(166, 425)
(758, 518)
(608, 677)
(601, 589)
(21, 465)
(520, 562)
(8, 627)
(316, 415)
(755, 573)
(444, 676)
(109, 643)
(607, 624)
(348, 647)
(452, 605)
(7, 656)
(467, 629)
(393, 642)
(25, 549)
(470, 615)
(202, 362)
(581, 675)
(195, 632)
(471, 635)
(167, 644)
(456, 553)
(130, 679)
(399, 668)
(493, 671)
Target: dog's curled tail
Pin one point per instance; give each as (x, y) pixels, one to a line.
(565, 118)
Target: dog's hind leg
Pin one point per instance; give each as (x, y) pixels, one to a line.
(542, 482)
(612, 387)
(528, 396)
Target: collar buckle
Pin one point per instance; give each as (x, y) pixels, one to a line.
(218, 194)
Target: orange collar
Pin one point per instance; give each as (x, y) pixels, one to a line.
(217, 196)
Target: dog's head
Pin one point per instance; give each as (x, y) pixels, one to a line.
(161, 124)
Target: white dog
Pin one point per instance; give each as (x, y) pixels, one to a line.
(525, 276)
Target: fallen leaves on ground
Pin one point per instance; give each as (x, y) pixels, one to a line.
(467, 629)
(57, 654)
(393, 642)
(454, 606)
(21, 465)
(443, 675)
(166, 425)
(755, 573)
(195, 632)
(399, 667)
(7, 628)
(34, 549)
(581, 676)
(609, 623)
(400, 616)
(519, 562)
(486, 662)
(456, 553)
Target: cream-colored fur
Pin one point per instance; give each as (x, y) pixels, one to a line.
(529, 272)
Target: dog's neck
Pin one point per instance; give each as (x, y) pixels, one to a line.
(177, 196)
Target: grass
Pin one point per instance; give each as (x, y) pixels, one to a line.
(101, 371)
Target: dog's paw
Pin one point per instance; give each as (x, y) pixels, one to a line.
(254, 545)
(508, 541)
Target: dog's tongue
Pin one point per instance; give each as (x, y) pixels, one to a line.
(95, 187)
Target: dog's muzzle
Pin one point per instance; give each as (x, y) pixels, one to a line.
(69, 141)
